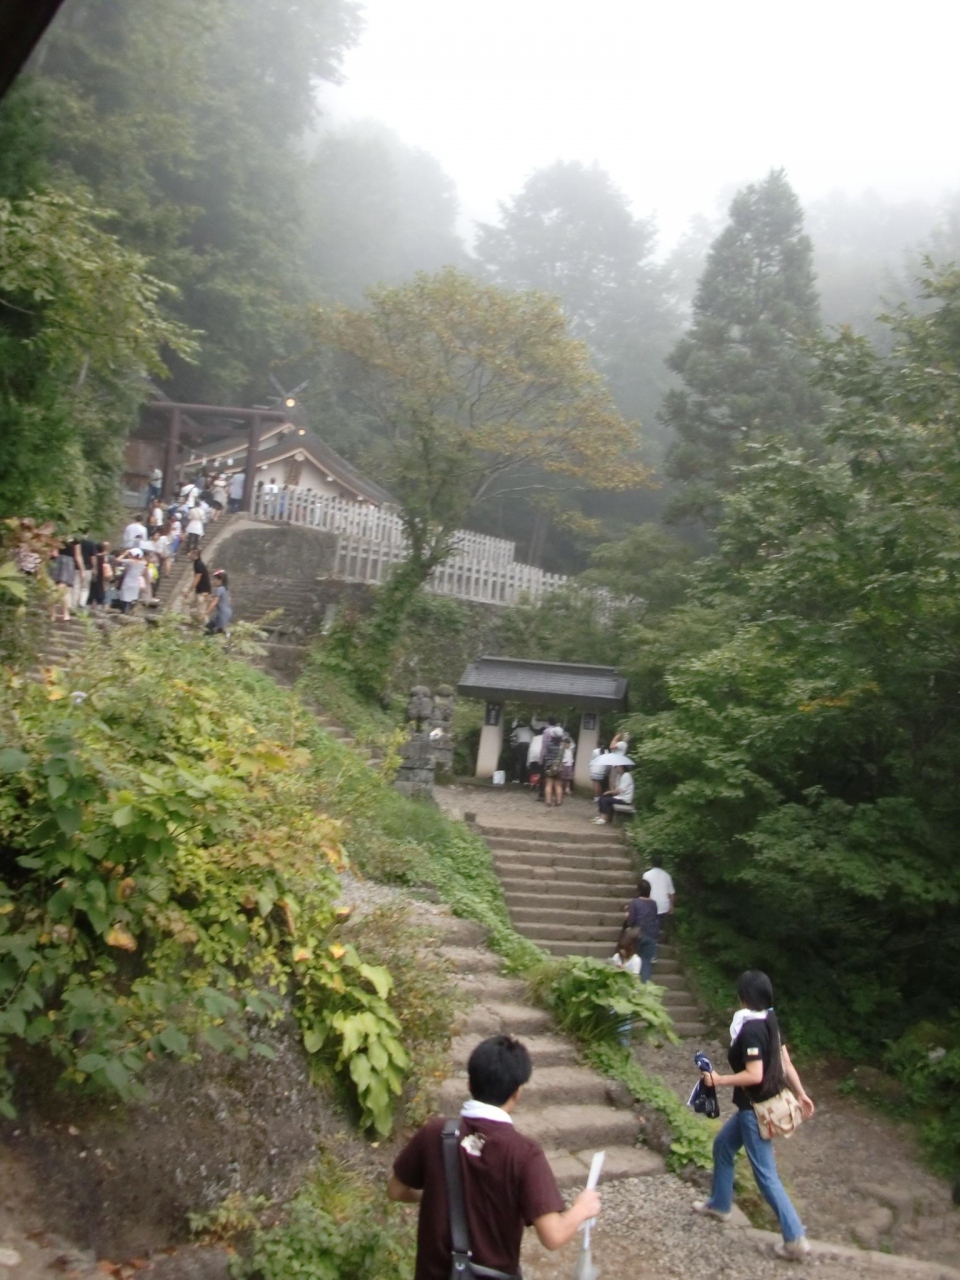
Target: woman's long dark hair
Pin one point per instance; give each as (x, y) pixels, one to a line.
(755, 991)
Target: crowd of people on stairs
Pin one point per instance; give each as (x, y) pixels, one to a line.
(89, 574)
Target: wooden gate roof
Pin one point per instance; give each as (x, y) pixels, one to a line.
(555, 684)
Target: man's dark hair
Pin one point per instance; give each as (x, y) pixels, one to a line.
(643, 889)
(497, 1068)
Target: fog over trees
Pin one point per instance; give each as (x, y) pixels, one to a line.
(195, 131)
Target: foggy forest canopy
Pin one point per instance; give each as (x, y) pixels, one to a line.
(790, 628)
(196, 131)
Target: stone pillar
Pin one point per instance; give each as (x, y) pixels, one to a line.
(415, 775)
(491, 740)
(441, 730)
(587, 740)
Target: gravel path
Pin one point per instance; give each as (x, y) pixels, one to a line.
(855, 1176)
(647, 1232)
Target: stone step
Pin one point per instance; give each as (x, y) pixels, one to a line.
(570, 1168)
(542, 930)
(691, 1029)
(510, 1019)
(679, 1004)
(573, 1128)
(567, 861)
(537, 836)
(484, 987)
(574, 947)
(546, 1050)
(564, 844)
(472, 960)
(556, 1086)
(565, 879)
(552, 902)
(611, 918)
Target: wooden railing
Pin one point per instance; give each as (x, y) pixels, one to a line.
(370, 541)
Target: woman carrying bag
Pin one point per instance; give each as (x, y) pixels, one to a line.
(762, 1072)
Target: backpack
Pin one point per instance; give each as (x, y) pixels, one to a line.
(553, 756)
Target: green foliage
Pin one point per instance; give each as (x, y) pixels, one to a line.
(424, 997)
(343, 1008)
(339, 1227)
(467, 388)
(167, 880)
(189, 121)
(592, 1000)
(799, 777)
(693, 1135)
(927, 1060)
(326, 681)
(81, 322)
(745, 371)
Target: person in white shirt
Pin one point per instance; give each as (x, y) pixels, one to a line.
(625, 957)
(566, 772)
(237, 484)
(194, 531)
(619, 800)
(533, 754)
(662, 892)
(520, 739)
(134, 534)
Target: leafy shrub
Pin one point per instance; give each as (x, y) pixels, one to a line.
(339, 1227)
(166, 880)
(592, 1000)
(927, 1060)
(424, 996)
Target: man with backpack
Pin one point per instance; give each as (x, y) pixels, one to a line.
(502, 1177)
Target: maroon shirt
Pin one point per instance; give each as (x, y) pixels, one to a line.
(506, 1187)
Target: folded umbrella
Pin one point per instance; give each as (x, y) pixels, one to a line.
(703, 1097)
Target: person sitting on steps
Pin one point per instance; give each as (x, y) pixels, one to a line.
(612, 802)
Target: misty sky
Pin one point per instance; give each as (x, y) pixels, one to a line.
(680, 100)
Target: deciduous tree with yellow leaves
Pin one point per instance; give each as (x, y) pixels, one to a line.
(469, 390)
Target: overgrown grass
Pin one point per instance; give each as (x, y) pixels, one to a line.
(330, 690)
(339, 1226)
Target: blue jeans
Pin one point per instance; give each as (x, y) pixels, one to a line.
(647, 951)
(741, 1131)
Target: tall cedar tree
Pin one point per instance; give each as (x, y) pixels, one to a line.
(570, 233)
(745, 370)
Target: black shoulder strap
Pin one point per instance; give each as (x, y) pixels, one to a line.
(463, 1265)
(459, 1235)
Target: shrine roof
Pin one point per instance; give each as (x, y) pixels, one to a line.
(558, 684)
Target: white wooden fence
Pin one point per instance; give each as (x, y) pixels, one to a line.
(371, 541)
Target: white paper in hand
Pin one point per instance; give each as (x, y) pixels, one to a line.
(593, 1177)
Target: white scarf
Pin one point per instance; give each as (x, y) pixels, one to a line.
(473, 1110)
(742, 1016)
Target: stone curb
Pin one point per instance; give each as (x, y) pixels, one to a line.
(894, 1264)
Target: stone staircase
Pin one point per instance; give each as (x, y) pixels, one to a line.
(566, 887)
(571, 1110)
